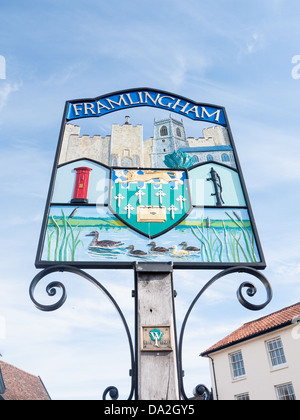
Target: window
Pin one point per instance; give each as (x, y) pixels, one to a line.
(225, 157)
(178, 132)
(276, 353)
(242, 397)
(285, 392)
(163, 131)
(136, 160)
(210, 157)
(237, 365)
(126, 162)
(114, 160)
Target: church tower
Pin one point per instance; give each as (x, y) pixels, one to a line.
(127, 145)
(169, 135)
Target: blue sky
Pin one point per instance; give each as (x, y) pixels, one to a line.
(237, 54)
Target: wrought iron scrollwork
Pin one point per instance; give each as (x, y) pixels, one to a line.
(202, 393)
(113, 393)
(51, 290)
(251, 292)
(246, 287)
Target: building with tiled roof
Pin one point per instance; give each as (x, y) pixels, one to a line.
(259, 360)
(16, 384)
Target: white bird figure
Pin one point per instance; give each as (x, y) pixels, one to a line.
(178, 253)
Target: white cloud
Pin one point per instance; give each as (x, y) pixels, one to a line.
(5, 93)
(255, 43)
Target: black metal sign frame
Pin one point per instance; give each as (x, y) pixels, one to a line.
(40, 263)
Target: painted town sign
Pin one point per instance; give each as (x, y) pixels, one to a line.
(156, 179)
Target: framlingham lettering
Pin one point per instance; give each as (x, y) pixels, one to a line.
(112, 103)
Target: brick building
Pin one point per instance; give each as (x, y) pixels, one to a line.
(16, 384)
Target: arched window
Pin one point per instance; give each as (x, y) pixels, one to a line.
(210, 157)
(163, 131)
(136, 160)
(196, 159)
(225, 157)
(114, 160)
(126, 162)
(178, 132)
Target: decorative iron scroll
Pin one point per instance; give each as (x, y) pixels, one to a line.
(251, 292)
(112, 391)
(51, 290)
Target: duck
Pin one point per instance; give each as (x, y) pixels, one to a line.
(103, 244)
(189, 248)
(178, 253)
(157, 249)
(135, 252)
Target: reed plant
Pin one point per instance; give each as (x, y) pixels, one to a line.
(226, 244)
(66, 239)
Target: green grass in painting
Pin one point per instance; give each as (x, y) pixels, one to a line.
(66, 239)
(220, 241)
(232, 242)
(85, 222)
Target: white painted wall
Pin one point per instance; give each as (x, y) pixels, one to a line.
(261, 378)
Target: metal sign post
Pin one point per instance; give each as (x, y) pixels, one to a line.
(153, 197)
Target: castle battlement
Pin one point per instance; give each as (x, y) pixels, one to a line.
(212, 136)
(125, 147)
(78, 147)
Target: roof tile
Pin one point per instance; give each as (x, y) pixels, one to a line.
(257, 327)
(20, 385)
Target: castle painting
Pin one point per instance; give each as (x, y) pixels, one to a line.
(125, 146)
(153, 187)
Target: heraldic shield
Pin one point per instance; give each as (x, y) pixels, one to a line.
(151, 202)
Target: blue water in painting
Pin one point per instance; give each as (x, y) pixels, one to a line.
(203, 229)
